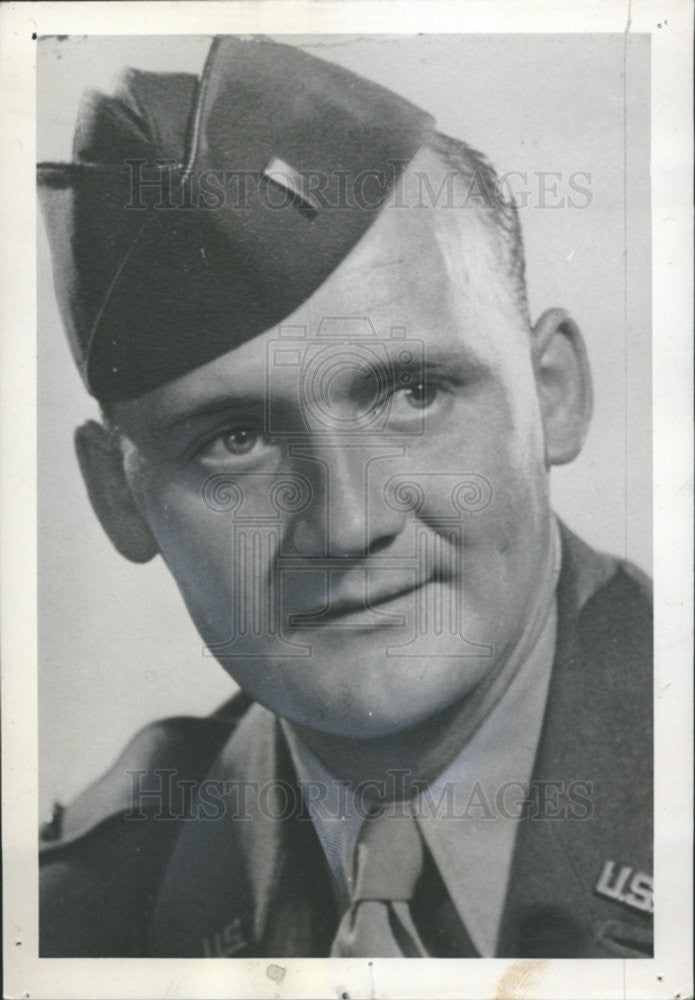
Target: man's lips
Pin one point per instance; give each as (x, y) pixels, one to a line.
(342, 606)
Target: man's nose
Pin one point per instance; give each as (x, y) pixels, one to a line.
(349, 516)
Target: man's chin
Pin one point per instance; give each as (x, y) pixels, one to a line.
(381, 702)
(359, 724)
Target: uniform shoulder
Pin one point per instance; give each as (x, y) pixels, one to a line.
(608, 626)
(586, 573)
(154, 767)
(103, 856)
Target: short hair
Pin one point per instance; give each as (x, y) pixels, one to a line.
(486, 193)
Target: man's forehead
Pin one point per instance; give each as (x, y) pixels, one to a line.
(418, 251)
(400, 252)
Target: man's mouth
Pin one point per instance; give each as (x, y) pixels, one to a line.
(383, 608)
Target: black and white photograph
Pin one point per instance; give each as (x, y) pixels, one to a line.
(349, 452)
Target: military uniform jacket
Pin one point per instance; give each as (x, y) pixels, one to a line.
(196, 842)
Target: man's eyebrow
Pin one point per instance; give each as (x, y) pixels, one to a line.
(454, 361)
(215, 406)
(414, 364)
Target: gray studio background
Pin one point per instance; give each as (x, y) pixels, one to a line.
(116, 648)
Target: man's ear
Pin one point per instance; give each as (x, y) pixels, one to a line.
(563, 380)
(101, 463)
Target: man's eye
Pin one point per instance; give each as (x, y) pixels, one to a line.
(235, 442)
(240, 441)
(416, 400)
(420, 395)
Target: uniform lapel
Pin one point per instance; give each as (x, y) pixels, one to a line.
(591, 796)
(247, 877)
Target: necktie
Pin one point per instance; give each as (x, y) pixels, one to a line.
(388, 862)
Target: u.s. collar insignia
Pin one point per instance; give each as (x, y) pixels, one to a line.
(227, 941)
(635, 889)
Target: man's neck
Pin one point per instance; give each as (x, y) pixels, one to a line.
(401, 761)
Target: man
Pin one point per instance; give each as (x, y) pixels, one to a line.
(325, 406)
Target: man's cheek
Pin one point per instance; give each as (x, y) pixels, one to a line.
(194, 540)
(509, 527)
(226, 570)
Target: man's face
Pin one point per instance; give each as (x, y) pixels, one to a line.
(359, 525)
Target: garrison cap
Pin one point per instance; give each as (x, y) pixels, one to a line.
(197, 213)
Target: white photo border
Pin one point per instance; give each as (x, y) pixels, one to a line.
(668, 974)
